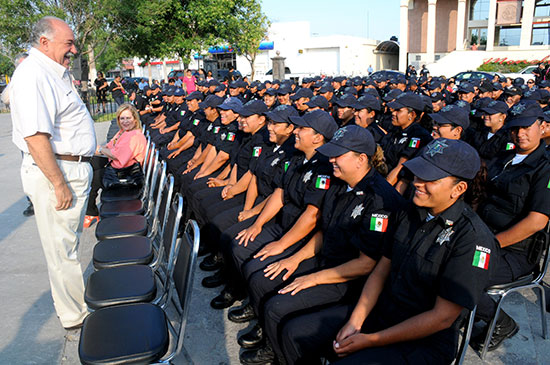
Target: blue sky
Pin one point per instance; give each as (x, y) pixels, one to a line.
(375, 19)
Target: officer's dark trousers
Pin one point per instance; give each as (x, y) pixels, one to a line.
(210, 203)
(98, 165)
(281, 307)
(307, 337)
(510, 266)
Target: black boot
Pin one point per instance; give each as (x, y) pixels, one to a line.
(253, 338)
(263, 355)
(227, 297)
(212, 262)
(215, 280)
(505, 328)
(29, 211)
(243, 314)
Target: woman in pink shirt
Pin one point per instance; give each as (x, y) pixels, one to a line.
(189, 82)
(125, 149)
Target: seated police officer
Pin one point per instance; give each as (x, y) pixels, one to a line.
(435, 263)
(517, 206)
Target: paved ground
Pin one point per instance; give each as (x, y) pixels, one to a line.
(32, 334)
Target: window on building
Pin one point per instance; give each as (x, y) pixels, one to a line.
(507, 36)
(542, 8)
(541, 34)
(479, 9)
(478, 36)
(418, 58)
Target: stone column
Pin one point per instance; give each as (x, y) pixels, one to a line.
(278, 67)
(527, 23)
(460, 21)
(430, 39)
(491, 25)
(404, 35)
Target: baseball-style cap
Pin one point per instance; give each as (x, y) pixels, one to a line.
(532, 95)
(318, 101)
(444, 157)
(282, 114)
(283, 90)
(339, 79)
(211, 101)
(213, 82)
(497, 86)
(154, 87)
(512, 91)
(253, 107)
(345, 101)
(219, 88)
(437, 96)
(367, 101)
(524, 113)
(350, 90)
(321, 121)
(393, 94)
(233, 104)
(544, 83)
(495, 107)
(486, 86)
(195, 95)
(326, 88)
(452, 114)
(349, 138)
(466, 87)
(302, 93)
(179, 92)
(271, 91)
(407, 100)
(170, 91)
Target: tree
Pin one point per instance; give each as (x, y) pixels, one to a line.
(246, 30)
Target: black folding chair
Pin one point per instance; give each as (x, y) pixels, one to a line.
(143, 332)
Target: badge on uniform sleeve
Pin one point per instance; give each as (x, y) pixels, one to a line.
(357, 211)
(510, 146)
(444, 236)
(481, 257)
(414, 143)
(379, 222)
(274, 162)
(257, 151)
(307, 176)
(231, 136)
(196, 122)
(209, 128)
(402, 140)
(223, 136)
(322, 182)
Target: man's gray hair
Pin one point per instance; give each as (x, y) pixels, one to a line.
(43, 28)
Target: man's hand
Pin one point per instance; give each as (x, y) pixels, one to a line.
(248, 234)
(64, 197)
(299, 284)
(273, 270)
(245, 214)
(272, 249)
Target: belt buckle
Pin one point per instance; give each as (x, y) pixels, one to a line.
(80, 158)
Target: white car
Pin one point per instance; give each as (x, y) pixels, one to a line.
(526, 73)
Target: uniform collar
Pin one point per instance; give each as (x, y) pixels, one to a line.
(448, 217)
(533, 159)
(366, 182)
(58, 69)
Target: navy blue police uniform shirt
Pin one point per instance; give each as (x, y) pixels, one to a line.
(250, 149)
(489, 148)
(270, 165)
(450, 256)
(515, 190)
(404, 143)
(303, 184)
(356, 220)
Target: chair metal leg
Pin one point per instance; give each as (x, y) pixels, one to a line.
(543, 312)
(466, 338)
(492, 327)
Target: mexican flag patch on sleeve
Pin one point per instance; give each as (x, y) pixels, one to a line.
(510, 146)
(322, 182)
(287, 164)
(481, 257)
(196, 122)
(257, 151)
(414, 143)
(231, 136)
(379, 222)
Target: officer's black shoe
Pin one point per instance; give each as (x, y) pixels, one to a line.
(253, 338)
(212, 262)
(214, 281)
(505, 328)
(242, 314)
(227, 297)
(29, 211)
(263, 355)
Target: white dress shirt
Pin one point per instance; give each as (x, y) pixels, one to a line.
(43, 99)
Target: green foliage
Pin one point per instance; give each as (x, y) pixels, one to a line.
(505, 67)
(6, 65)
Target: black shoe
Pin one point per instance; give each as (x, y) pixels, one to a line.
(214, 281)
(505, 328)
(242, 314)
(29, 211)
(263, 355)
(212, 262)
(253, 338)
(227, 297)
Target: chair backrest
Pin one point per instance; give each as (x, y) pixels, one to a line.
(468, 327)
(150, 165)
(542, 238)
(183, 276)
(158, 177)
(146, 159)
(160, 211)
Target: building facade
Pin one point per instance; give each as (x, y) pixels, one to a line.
(431, 29)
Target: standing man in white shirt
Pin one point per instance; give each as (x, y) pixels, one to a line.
(53, 128)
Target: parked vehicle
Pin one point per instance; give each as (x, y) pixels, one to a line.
(180, 74)
(475, 75)
(525, 73)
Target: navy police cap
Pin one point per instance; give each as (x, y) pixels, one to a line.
(349, 138)
(319, 120)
